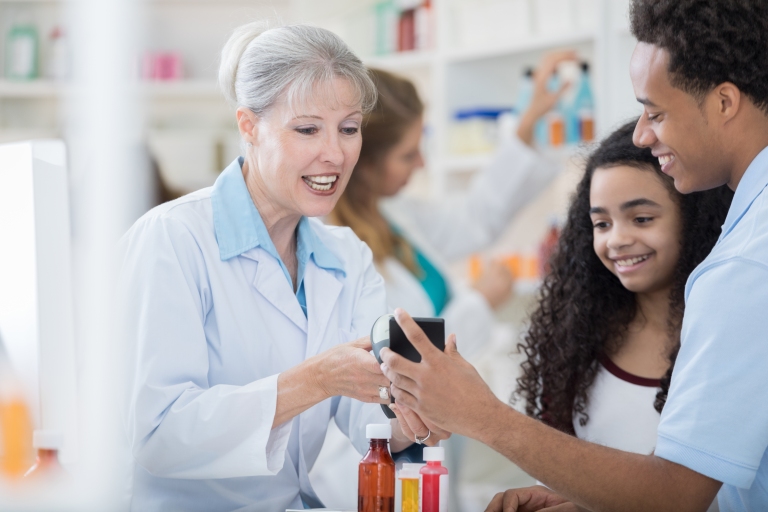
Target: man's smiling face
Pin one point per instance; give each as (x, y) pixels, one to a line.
(680, 129)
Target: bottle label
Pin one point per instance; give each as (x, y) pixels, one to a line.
(443, 493)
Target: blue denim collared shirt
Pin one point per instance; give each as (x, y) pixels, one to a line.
(240, 228)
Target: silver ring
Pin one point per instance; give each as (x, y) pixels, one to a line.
(383, 392)
(422, 440)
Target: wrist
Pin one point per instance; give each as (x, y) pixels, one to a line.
(526, 128)
(496, 419)
(318, 377)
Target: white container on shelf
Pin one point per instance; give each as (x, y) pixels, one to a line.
(553, 17)
(488, 23)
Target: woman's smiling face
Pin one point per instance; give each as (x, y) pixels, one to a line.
(302, 157)
(637, 227)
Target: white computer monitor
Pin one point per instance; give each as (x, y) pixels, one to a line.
(36, 312)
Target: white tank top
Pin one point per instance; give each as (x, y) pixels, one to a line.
(621, 412)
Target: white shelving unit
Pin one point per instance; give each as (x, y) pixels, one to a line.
(11, 89)
(449, 76)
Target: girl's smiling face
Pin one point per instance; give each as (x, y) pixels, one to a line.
(637, 227)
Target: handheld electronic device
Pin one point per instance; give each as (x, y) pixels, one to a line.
(387, 333)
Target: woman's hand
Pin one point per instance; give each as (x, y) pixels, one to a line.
(348, 369)
(543, 99)
(529, 499)
(495, 284)
(351, 370)
(411, 425)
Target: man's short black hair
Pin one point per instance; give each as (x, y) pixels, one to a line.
(709, 42)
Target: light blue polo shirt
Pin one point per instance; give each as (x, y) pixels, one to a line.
(239, 228)
(716, 417)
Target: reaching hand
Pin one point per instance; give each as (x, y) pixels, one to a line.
(530, 499)
(495, 284)
(543, 99)
(443, 389)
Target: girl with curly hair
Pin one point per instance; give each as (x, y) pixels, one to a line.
(603, 340)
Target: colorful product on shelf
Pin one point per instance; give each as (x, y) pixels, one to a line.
(58, 63)
(162, 66)
(556, 123)
(22, 52)
(386, 15)
(584, 107)
(403, 25)
(476, 130)
(521, 266)
(406, 31)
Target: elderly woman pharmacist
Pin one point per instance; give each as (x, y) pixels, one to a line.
(242, 310)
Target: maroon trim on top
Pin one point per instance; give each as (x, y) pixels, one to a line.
(626, 376)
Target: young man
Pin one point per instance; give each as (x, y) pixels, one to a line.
(701, 72)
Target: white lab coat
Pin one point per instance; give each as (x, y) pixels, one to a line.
(445, 231)
(209, 338)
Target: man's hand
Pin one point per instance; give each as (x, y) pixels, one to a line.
(443, 389)
(530, 499)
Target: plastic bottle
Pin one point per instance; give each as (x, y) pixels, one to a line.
(434, 481)
(387, 15)
(525, 93)
(409, 484)
(47, 443)
(584, 106)
(423, 26)
(22, 52)
(376, 474)
(556, 118)
(58, 65)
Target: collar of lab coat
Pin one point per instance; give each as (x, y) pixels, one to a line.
(239, 227)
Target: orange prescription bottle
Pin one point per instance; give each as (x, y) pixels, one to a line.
(410, 481)
(376, 473)
(47, 443)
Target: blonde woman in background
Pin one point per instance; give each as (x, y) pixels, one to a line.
(413, 240)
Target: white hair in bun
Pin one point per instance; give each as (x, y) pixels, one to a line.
(259, 64)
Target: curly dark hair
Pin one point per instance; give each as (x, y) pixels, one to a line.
(583, 310)
(709, 42)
